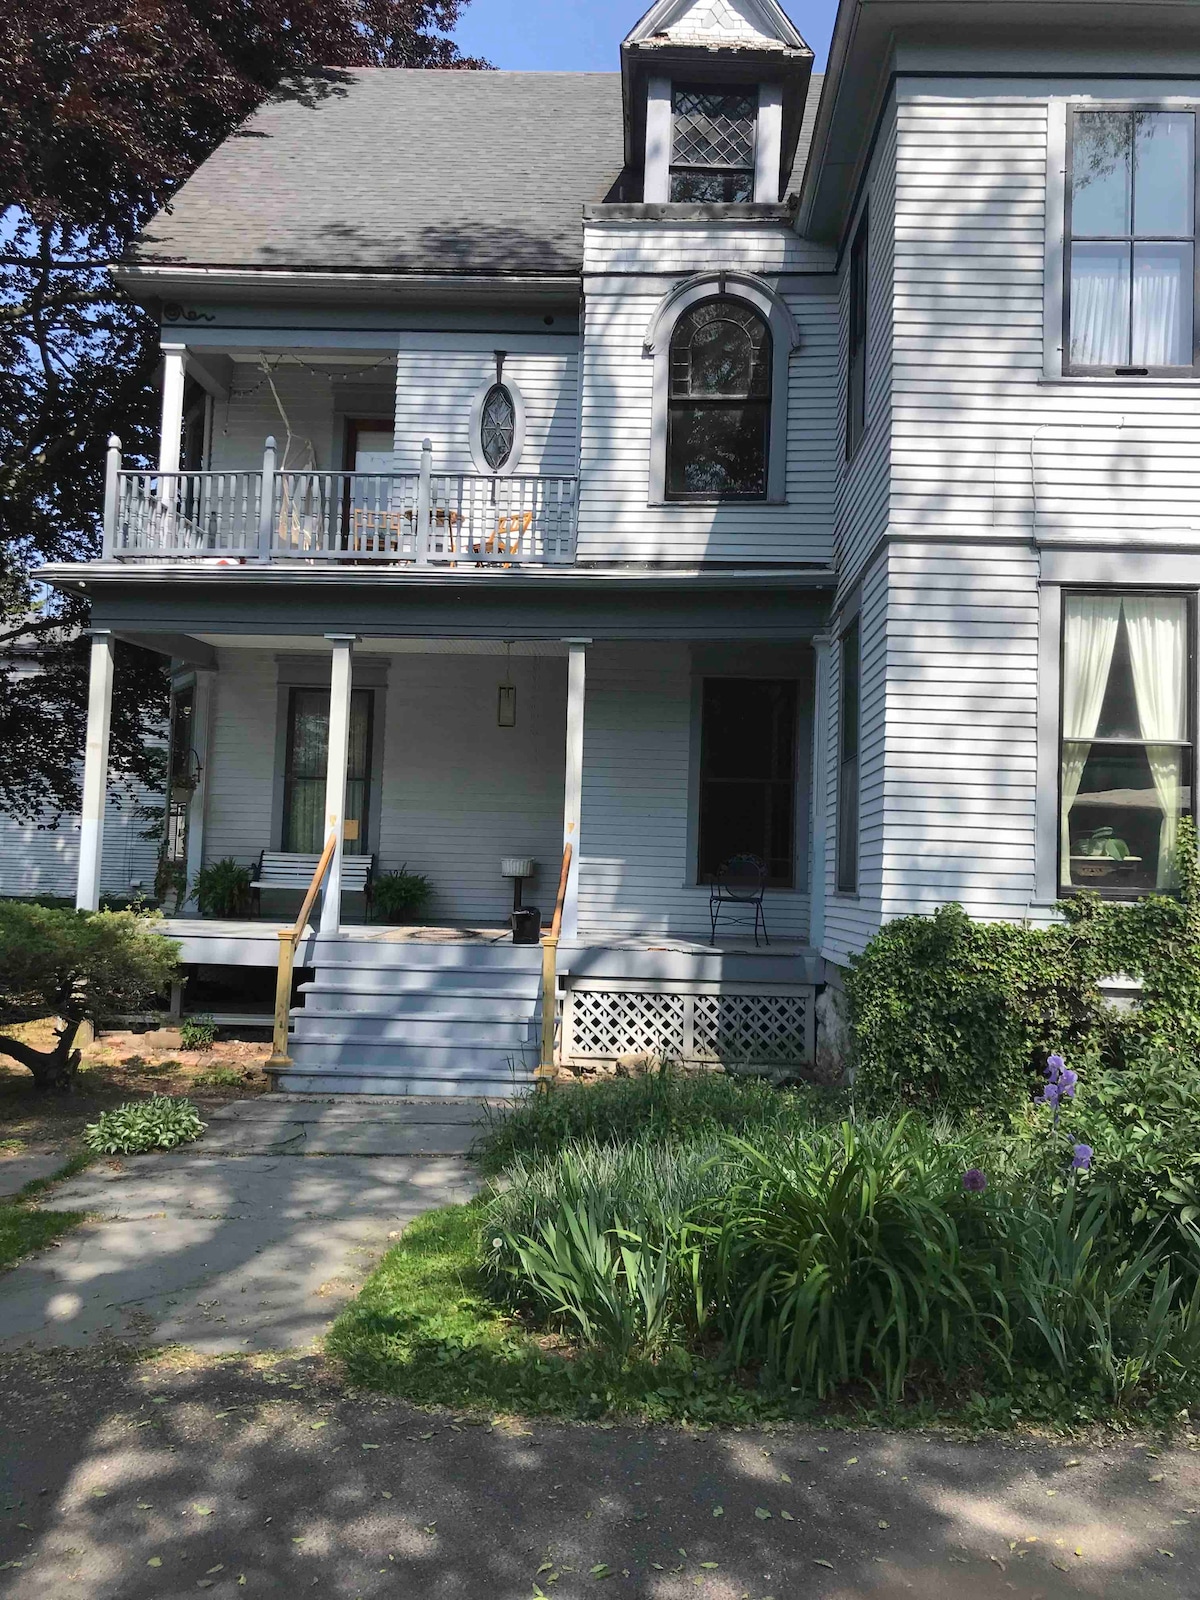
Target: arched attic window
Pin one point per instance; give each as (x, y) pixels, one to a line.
(722, 344)
(719, 407)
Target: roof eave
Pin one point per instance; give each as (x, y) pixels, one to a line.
(152, 283)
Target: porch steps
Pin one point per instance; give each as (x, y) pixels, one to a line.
(384, 1017)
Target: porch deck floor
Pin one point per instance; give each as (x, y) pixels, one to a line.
(475, 934)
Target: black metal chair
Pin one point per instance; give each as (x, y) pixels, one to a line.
(740, 882)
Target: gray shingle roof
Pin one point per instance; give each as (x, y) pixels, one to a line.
(400, 170)
(405, 171)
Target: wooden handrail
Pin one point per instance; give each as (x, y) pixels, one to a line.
(556, 921)
(289, 938)
(545, 1071)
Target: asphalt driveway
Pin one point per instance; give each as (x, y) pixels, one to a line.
(123, 1481)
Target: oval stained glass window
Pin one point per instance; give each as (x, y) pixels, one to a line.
(497, 426)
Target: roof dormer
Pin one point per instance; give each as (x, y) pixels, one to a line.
(714, 96)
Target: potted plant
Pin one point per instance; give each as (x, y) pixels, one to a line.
(402, 896)
(222, 889)
(1100, 852)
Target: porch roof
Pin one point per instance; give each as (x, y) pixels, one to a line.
(174, 600)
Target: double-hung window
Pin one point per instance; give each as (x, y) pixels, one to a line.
(856, 353)
(1126, 763)
(1131, 243)
(712, 144)
(748, 776)
(850, 660)
(306, 763)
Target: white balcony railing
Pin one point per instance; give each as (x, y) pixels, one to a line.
(416, 518)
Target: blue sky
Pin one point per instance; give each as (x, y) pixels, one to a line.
(585, 35)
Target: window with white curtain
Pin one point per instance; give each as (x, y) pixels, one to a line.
(1126, 762)
(1131, 242)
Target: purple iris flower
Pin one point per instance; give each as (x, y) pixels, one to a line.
(1054, 1065)
(974, 1181)
(1067, 1081)
(1082, 1159)
(1052, 1094)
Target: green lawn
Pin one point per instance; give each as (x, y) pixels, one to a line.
(425, 1328)
(24, 1230)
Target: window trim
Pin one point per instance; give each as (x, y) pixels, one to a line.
(853, 626)
(367, 830)
(475, 436)
(1058, 260)
(785, 338)
(1066, 591)
(856, 398)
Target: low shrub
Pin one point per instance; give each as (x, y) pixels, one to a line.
(77, 968)
(197, 1033)
(401, 896)
(663, 1105)
(218, 1078)
(159, 1123)
(955, 1015)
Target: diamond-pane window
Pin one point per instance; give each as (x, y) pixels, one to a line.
(498, 425)
(712, 153)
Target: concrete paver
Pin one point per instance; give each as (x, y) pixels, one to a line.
(16, 1170)
(251, 1239)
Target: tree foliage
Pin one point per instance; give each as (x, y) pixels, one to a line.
(106, 106)
(78, 968)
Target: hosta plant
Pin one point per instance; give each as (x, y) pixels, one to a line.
(160, 1123)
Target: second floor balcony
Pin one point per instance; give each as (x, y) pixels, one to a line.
(418, 518)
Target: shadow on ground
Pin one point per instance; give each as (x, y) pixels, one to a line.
(251, 1240)
(148, 1481)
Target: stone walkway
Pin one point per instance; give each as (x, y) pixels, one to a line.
(252, 1239)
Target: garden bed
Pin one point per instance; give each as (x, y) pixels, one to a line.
(713, 1251)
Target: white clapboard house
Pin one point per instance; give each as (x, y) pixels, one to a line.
(698, 462)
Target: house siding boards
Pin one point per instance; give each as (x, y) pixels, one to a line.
(617, 523)
(639, 769)
(851, 919)
(37, 860)
(864, 483)
(428, 390)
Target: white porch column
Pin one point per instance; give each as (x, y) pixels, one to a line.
(820, 795)
(202, 699)
(341, 679)
(170, 441)
(95, 771)
(573, 787)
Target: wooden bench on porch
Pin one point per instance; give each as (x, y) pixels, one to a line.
(285, 869)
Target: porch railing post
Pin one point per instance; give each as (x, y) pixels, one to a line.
(266, 503)
(424, 503)
(112, 497)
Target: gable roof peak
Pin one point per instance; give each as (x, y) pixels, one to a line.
(732, 24)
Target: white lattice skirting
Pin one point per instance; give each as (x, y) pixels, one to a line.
(767, 1029)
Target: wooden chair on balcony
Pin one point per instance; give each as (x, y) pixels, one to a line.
(502, 541)
(385, 532)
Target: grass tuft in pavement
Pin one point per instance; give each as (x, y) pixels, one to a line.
(24, 1230)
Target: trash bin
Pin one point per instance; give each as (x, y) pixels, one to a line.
(527, 925)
